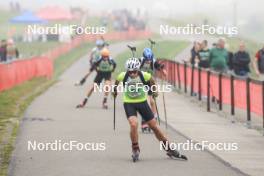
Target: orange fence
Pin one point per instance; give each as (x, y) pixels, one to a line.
(21, 70)
(247, 94)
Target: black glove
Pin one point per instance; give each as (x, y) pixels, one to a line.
(155, 94)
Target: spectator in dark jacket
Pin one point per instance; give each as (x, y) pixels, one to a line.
(195, 53)
(204, 54)
(3, 46)
(241, 61)
(259, 63)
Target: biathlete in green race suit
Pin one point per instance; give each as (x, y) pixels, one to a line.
(104, 68)
(135, 101)
(151, 65)
(95, 56)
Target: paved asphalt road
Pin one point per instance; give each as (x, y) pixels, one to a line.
(52, 116)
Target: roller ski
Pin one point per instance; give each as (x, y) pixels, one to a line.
(174, 154)
(81, 105)
(135, 155)
(145, 128)
(135, 152)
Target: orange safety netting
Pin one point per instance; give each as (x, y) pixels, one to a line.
(21, 70)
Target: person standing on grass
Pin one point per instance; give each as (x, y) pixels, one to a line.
(3, 51)
(11, 50)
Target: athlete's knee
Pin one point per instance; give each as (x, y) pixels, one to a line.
(133, 124)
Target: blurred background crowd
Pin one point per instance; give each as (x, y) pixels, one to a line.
(219, 58)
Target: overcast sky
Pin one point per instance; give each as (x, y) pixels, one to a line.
(174, 6)
(217, 8)
(249, 12)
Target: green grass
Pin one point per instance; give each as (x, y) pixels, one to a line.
(12, 105)
(13, 102)
(4, 24)
(169, 49)
(67, 60)
(27, 49)
(163, 49)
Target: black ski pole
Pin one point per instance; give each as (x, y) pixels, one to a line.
(114, 111)
(157, 109)
(83, 80)
(152, 43)
(165, 110)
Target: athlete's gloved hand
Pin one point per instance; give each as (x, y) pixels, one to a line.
(155, 94)
(114, 94)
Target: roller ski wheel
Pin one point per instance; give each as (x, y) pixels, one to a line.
(145, 128)
(77, 84)
(174, 154)
(79, 106)
(135, 155)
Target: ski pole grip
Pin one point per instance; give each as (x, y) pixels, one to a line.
(152, 42)
(132, 48)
